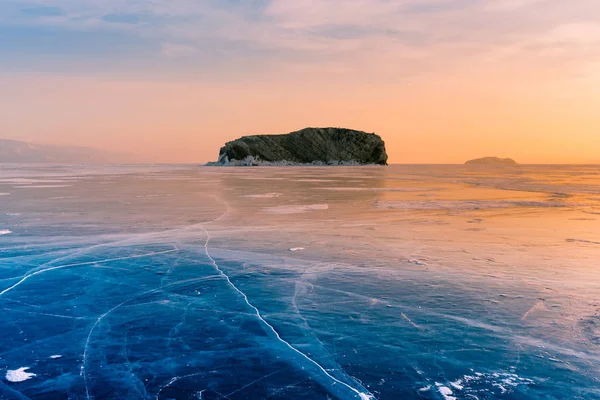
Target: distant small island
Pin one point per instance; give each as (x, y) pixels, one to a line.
(492, 161)
(309, 146)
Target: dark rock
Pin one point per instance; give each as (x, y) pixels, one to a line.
(492, 161)
(316, 146)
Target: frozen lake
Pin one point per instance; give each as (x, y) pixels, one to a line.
(400, 282)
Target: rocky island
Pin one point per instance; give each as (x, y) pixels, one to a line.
(309, 146)
(491, 161)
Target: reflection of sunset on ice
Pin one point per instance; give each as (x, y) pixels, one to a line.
(316, 282)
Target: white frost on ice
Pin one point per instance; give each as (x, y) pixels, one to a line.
(297, 249)
(43, 186)
(501, 383)
(263, 196)
(425, 389)
(19, 375)
(55, 356)
(5, 232)
(296, 209)
(410, 321)
(539, 306)
(30, 181)
(313, 180)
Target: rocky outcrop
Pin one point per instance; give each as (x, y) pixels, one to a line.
(310, 146)
(491, 161)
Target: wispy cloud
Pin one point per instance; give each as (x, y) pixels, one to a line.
(178, 50)
(404, 35)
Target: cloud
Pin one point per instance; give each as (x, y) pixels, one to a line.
(391, 36)
(178, 50)
(43, 11)
(511, 5)
(122, 18)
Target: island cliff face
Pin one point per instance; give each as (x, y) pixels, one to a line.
(314, 146)
(491, 161)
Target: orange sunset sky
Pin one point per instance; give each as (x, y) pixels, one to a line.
(442, 81)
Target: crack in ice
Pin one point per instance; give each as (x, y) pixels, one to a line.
(83, 264)
(175, 379)
(361, 395)
(39, 313)
(253, 382)
(87, 342)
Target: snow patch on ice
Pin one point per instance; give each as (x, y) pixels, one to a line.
(297, 249)
(55, 356)
(445, 391)
(296, 209)
(457, 384)
(5, 232)
(19, 375)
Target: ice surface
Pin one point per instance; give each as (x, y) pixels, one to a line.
(296, 209)
(582, 241)
(498, 384)
(184, 282)
(5, 232)
(378, 189)
(263, 196)
(465, 204)
(43, 186)
(29, 181)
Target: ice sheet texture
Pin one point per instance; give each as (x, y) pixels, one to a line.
(412, 282)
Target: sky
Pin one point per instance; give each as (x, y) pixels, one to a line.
(442, 81)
